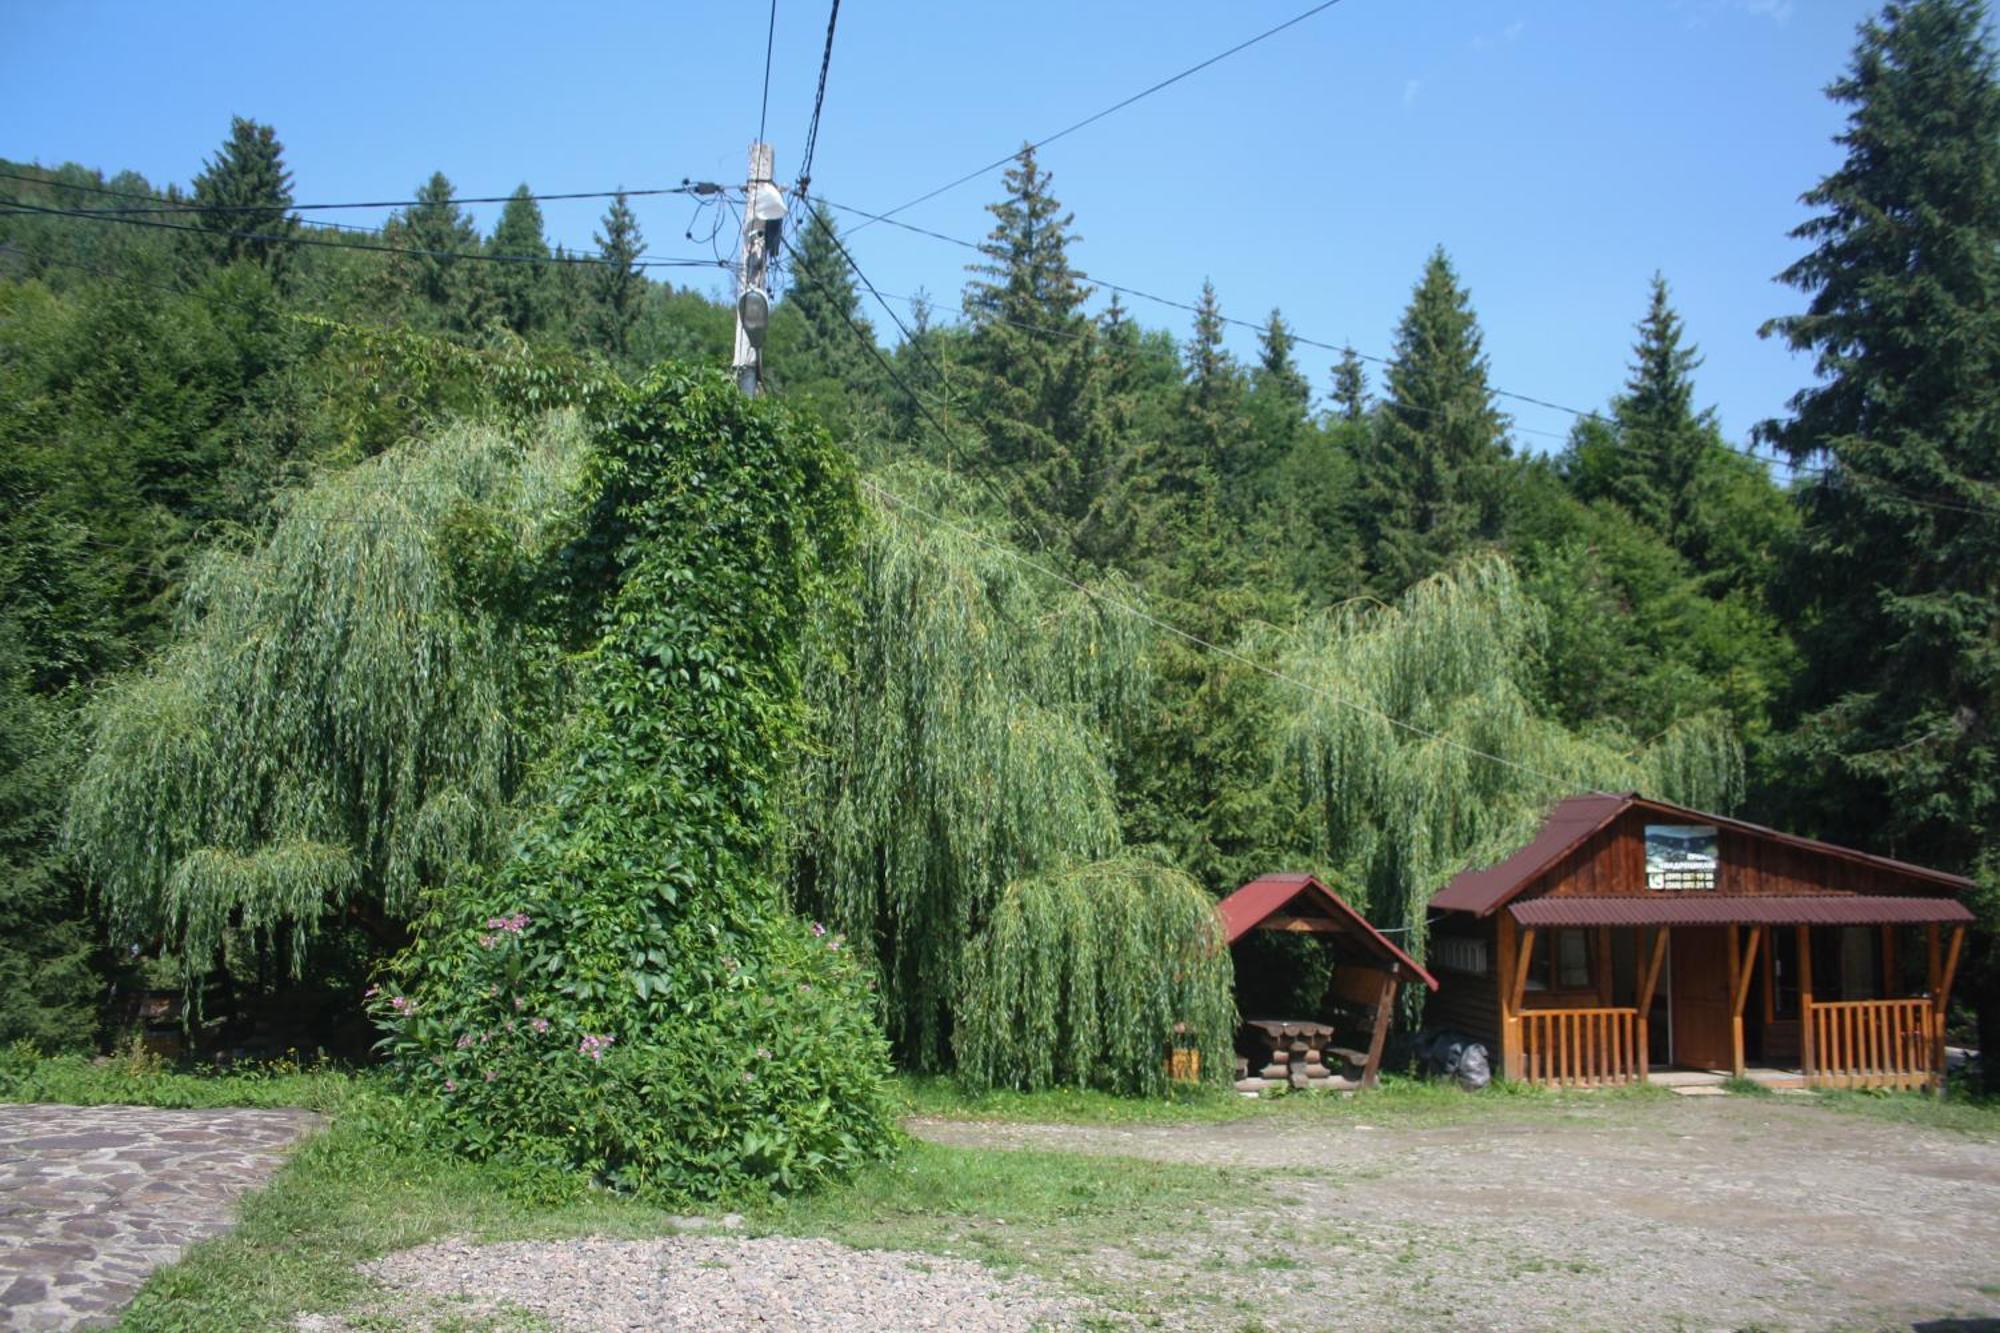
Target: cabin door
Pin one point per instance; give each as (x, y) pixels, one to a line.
(1701, 997)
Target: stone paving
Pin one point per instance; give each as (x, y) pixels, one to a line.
(93, 1198)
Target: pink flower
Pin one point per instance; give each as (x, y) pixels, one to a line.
(451, 1085)
(464, 1040)
(488, 941)
(520, 1003)
(749, 1077)
(400, 1004)
(763, 1054)
(489, 1076)
(513, 925)
(540, 1025)
(594, 1046)
(372, 992)
(818, 930)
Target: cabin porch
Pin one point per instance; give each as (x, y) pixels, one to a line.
(1601, 1005)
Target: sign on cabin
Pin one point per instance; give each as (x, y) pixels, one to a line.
(1680, 856)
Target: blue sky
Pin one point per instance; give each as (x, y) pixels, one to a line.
(1561, 150)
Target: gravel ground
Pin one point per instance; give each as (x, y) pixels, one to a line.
(718, 1284)
(1686, 1213)
(1718, 1213)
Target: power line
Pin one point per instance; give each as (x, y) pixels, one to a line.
(770, 36)
(1195, 640)
(819, 100)
(156, 205)
(1115, 107)
(274, 238)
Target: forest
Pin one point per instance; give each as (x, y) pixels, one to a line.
(411, 633)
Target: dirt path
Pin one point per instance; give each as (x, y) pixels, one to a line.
(1689, 1213)
(92, 1199)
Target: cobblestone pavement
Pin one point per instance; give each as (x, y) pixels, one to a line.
(93, 1198)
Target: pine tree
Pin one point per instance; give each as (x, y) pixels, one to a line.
(521, 283)
(620, 287)
(1899, 572)
(1350, 386)
(248, 178)
(1277, 375)
(1432, 468)
(1033, 360)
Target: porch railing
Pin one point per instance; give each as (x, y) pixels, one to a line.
(1580, 1048)
(1871, 1044)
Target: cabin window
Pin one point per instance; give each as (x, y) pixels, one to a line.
(1460, 953)
(1561, 961)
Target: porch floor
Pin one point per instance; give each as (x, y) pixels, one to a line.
(1693, 1079)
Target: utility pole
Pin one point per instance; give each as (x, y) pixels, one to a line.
(763, 220)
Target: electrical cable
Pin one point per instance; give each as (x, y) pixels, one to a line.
(1583, 414)
(157, 206)
(819, 100)
(1115, 107)
(13, 207)
(770, 36)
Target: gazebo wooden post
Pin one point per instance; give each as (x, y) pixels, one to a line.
(1808, 1046)
(1385, 1004)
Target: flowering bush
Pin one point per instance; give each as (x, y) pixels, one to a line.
(626, 993)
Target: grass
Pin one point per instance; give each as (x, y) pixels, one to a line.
(140, 1078)
(1961, 1113)
(1407, 1103)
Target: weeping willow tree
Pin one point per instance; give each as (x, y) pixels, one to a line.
(347, 707)
(1420, 747)
(1085, 977)
(962, 707)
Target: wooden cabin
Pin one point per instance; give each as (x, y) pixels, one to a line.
(1301, 1050)
(1630, 935)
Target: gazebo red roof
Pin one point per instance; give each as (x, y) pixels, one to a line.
(1262, 898)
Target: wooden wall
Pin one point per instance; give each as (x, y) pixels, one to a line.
(1612, 863)
(1467, 1002)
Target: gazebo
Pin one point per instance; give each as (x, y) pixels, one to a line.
(1368, 970)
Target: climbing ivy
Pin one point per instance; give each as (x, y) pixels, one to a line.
(626, 991)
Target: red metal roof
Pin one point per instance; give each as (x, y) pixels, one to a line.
(1262, 898)
(1702, 909)
(1576, 818)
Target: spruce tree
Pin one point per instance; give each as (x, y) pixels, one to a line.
(1431, 471)
(1033, 360)
(434, 230)
(521, 282)
(1899, 573)
(815, 347)
(620, 286)
(1350, 386)
(249, 180)
(1277, 375)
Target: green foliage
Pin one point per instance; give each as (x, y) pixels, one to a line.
(1432, 469)
(1032, 360)
(136, 1077)
(248, 179)
(962, 710)
(1086, 976)
(619, 288)
(1389, 750)
(348, 711)
(521, 286)
(625, 992)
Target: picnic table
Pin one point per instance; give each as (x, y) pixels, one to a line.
(1294, 1052)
